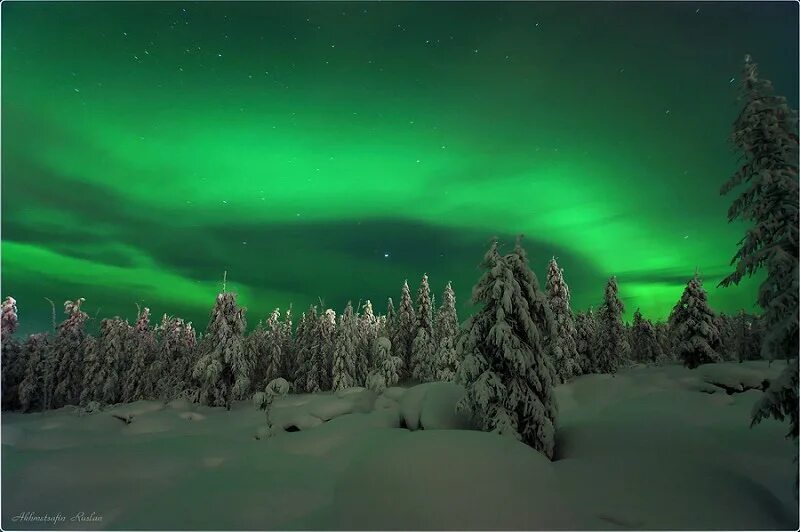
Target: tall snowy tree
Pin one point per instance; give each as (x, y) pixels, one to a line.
(644, 343)
(69, 349)
(727, 337)
(308, 379)
(367, 334)
(664, 337)
(693, 327)
(387, 364)
(31, 390)
(586, 340)
(423, 349)
(223, 368)
(287, 346)
(325, 345)
(257, 346)
(405, 330)
(566, 360)
(185, 385)
(506, 366)
(275, 345)
(345, 350)
(13, 363)
(612, 342)
(168, 371)
(141, 347)
(391, 318)
(765, 135)
(446, 337)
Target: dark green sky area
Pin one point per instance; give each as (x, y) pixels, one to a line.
(333, 149)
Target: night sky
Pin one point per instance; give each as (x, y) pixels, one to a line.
(331, 150)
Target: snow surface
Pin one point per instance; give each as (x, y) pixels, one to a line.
(650, 448)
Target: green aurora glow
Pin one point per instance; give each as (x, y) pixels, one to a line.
(149, 146)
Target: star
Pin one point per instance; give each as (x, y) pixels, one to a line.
(385, 255)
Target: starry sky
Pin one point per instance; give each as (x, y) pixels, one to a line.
(331, 150)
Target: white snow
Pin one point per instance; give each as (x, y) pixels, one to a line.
(644, 449)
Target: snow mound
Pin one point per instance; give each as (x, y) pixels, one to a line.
(735, 378)
(462, 480)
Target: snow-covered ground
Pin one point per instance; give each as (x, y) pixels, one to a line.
(651, 448)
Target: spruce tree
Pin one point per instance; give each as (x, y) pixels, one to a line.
(446, 337)
(391, 320)
(275, 344)
(505, 350)
(223, 369)
(185, 385)
(405, 329)
(287, 346)
(367, 334)
(325, 345)
(664, 337)
(345, 349)
(141, 347)
(307, 339)
(387, 364)
(257, 347)
(169, 369)
(695, 334)
(727, 337)
(586, 340)
(644, 344)
(31, 390)
(423, 350)
(68, 352)
(13, 363)
(612, 342)
(765, 134)
(566, 360)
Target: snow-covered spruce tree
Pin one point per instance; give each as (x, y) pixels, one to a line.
(391, 319)
(765, 135)
(586, 340)
(168, 370)
(13, 363)
(275, 344)
(367, 334)
(308, 338)
(612, 342)
(223, 369)
(423, 357)
(287, 346)
(446, 337)
(506, 366)
(257, 346)
(325, 345)
(566, 360)
(644, 345)
(69, 349)
(185, 384)
(664, 337)
(694, 331)
(304, 338)
(423, 349)
(386, 362)
(345, 350)
(746, 337)
(92, 372)
(142, 347)
(727, 338)
(36, 351)
(405, 330)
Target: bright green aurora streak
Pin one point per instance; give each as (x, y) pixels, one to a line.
(334, 149)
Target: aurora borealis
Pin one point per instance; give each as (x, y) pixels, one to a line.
(331, 150)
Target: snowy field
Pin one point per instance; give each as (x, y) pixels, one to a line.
(652, 448)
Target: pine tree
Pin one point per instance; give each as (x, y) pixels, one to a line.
(31, 390)
(586, 340)
(185, 385)
(423, 350)
(612, 344)
(506, 366)
(694, 329)
(446, 336)
(405, 330)
(287, 346)
(644, 344)
(345, 349)
(142, 347)
(13, 362)
(367, 334)
(275, 345)
(386, 363)
(223, 369)
(565, 352)
(664, 337)
(325, 346)
(168, 372)
(765, 134)
(257, 347)
(391, 320)
(68, 352)
(307, 339)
